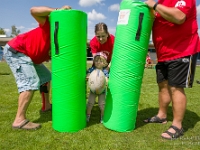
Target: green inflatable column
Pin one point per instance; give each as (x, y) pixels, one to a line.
(68, 52)
(130, 48)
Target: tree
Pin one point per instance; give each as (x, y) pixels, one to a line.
(2, 32)
(14, 32)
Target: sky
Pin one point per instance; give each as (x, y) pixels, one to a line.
(17, 12)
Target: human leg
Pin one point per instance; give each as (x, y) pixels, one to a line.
(27, 82)
(179, 103)
(23, 103)
(181, 75)
(45, 78)
(44, 91)
(164, 97)
(164, 100)
(90, 104)
(101, 102)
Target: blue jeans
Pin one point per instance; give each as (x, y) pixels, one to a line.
(28, 76)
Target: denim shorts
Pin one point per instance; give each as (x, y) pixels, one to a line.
(28, 76)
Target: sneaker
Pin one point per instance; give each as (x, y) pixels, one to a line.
(88, 118)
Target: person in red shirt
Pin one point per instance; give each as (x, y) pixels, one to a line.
(24, 55)
(175, 37)
(102, 42)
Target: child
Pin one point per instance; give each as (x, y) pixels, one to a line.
(99, 62)
(148, 60)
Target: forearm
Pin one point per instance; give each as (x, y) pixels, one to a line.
(171, 14)
(109, 64)
(41, 11)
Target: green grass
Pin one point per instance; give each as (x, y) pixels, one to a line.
(95, 136)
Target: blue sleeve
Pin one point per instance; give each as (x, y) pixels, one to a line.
(90, 70)
(106, 73)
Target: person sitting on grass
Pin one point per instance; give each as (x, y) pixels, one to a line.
(99, 62)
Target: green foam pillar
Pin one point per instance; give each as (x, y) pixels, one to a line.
(68, 52)
(127, 66)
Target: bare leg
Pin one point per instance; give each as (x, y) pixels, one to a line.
(23, 103)
(179, 103)
(164, 99)
(47, 101)
(101, 102)
(91, 101)
(179, 106)
(44, 91)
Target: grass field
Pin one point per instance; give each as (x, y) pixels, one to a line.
(95, 136)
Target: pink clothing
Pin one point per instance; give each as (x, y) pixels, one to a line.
(35, 43)
(178, 40)
(148, 60)
(107, 47)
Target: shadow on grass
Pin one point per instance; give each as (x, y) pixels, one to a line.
(190, 119)
(95, 116)
(4, 73)
(94, 119)
(44, 117)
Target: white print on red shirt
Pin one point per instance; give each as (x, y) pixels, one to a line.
(180, 4)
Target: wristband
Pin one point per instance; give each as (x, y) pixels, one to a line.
(155, 5)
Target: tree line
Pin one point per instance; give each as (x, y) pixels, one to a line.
(14, 31)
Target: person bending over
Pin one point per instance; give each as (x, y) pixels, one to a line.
(25, 54)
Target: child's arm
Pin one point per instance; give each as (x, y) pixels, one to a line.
(89, 71)
(108, 67)
(87, 76)
(106, 81)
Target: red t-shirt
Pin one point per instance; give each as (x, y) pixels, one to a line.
(199, 46)
(173, 41)
(106, 47)
(35, 43)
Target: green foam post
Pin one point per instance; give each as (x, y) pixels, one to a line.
(68, 52)
(127, 66)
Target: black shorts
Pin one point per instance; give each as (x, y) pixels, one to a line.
(179, 72)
